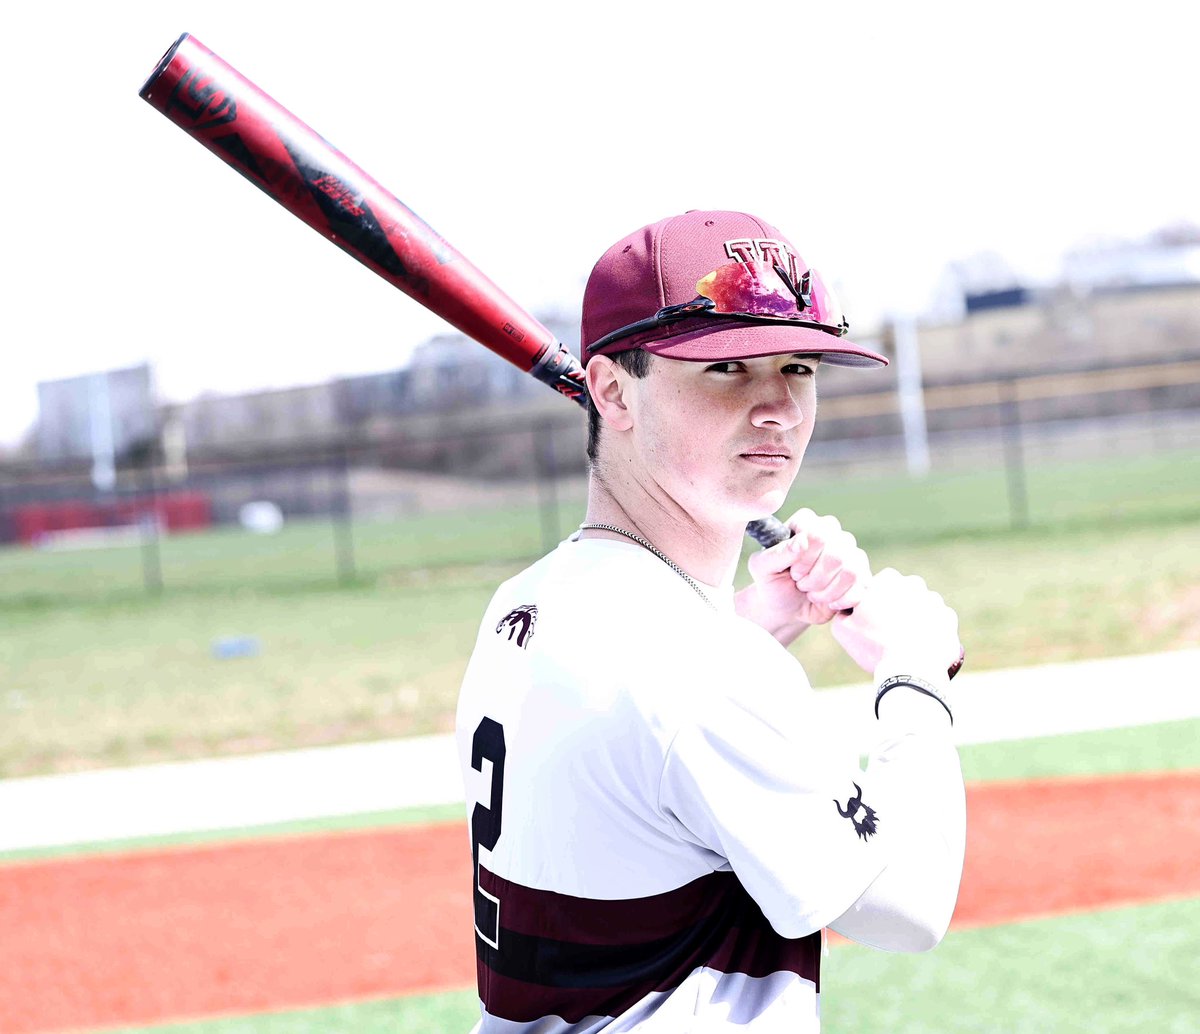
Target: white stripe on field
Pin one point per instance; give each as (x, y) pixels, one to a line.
(231, 793)
(1049, 699)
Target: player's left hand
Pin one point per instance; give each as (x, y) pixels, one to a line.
(806, 580)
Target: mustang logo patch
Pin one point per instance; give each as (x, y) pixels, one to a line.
(519, 622)
(864, 818)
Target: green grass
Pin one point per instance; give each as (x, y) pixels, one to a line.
(1113, 493)
(299, 559)
(1118, 972)
(136, 682)
(1040, 596)
(94, 672)
(1167, 746)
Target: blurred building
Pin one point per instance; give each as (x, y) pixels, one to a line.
(1116, 304)
(1026, 331)
(261, 418)
(448, 373)
(109, 412)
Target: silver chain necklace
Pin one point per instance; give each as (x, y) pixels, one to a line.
(656, 551)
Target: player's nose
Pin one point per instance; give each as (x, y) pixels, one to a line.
(778, 403)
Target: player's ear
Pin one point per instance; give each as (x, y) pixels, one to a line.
(606, 383)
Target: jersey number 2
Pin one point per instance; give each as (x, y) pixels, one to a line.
(485, 823)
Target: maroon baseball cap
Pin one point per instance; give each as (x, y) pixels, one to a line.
(771, 303)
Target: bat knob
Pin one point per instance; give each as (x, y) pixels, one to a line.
(768, 531)
(957, 665)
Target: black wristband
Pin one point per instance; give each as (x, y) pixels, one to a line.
(912, 682)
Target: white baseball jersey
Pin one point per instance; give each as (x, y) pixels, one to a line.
(660, 829)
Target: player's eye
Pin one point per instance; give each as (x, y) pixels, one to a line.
(733, 366)
(799, 368)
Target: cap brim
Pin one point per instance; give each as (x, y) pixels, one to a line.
(717, 341)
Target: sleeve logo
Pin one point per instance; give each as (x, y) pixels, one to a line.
(861, 816)
(519, 622)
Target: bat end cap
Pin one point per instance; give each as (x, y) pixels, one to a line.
(161, 67)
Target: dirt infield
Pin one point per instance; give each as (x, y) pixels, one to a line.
(152, 936)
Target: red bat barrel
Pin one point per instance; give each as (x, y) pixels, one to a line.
(211, 101)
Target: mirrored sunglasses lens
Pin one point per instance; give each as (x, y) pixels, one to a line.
(825, 308)
(752, 288)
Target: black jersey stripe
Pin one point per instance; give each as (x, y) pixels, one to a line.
(603, 960)
(561, 917)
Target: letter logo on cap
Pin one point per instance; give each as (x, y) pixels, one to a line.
(764, 249)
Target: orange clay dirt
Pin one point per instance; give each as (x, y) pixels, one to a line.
(188, 932)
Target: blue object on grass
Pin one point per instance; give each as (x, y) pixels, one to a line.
(229, 646)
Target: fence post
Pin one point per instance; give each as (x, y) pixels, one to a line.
(151, 547)
(1014, 456)
(343, 517)
(911, 396)
(546, 472)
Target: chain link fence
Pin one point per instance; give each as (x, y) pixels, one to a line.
(384, 504)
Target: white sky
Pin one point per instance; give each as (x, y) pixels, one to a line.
(884, 139)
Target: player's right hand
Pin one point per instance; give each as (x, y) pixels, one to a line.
(900, 627)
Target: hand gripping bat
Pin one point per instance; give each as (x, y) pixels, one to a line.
(244, 127)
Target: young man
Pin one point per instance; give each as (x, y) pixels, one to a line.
(660, 826)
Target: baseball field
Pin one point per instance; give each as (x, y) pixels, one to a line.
(1080, 907)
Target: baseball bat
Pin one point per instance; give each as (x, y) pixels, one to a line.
(208, 99)
(295, 166)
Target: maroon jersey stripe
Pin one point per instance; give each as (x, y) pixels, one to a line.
(560, 917)
(619, 951)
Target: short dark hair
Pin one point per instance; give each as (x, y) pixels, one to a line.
(636, 363)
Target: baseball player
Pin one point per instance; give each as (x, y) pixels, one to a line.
(661, 828)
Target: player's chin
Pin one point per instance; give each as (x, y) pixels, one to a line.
(771, 486)
(769, 502)
(759, 499)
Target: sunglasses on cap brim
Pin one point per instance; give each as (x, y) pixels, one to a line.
(757, 292)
